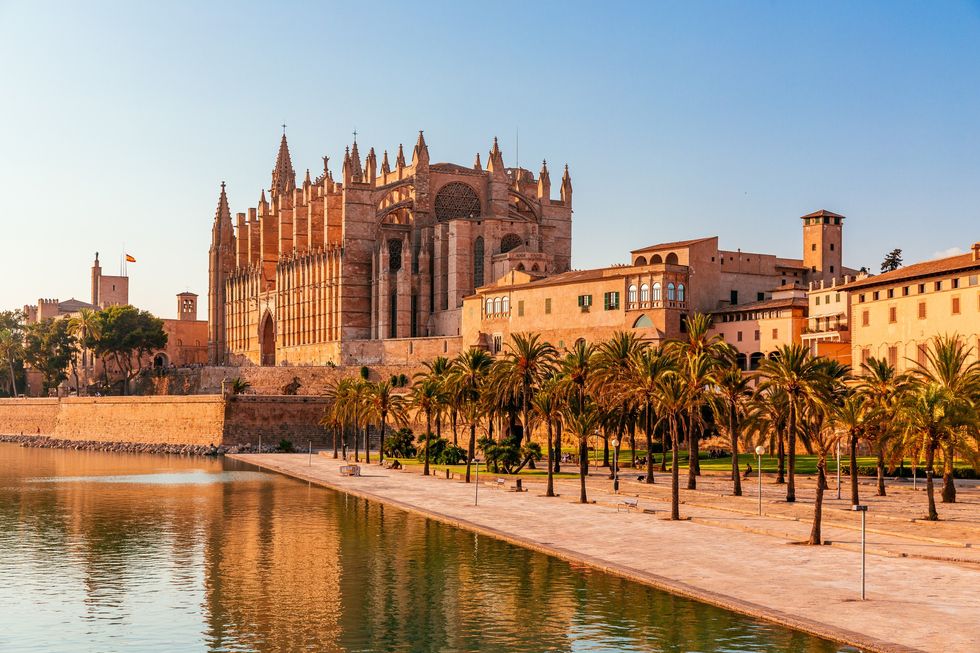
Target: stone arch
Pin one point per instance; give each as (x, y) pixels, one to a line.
(521, 207)
(535, 268)
(510, 242)
(755, 359)
(741, 361)
(457, 200)
(267, 339)
(161, 360)
(656, 260)
(671, 259)
(520, 267)
(643, 322)
(640, 260)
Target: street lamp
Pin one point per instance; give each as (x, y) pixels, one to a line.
(759, 450)
(615, 444)
(864, 512)
(838, 469)
(476, 490)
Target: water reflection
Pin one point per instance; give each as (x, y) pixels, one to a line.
(114, 552)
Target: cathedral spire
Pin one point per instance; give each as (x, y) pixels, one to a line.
(371, 167)
(420, 155)
(476, 164)
(283, 175)
(223, 212)
(357, 173)
(400, 159)
(495, 163)
(385, 166)
(307, 182)
(544, 182)
(566, 188)
(263, 204)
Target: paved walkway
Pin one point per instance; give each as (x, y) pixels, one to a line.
(734, 560)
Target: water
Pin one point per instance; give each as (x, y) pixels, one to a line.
(114, 552)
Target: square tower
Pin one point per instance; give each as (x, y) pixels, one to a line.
(186, 306)
(822, 236)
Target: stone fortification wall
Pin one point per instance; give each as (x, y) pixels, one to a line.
(198, 420)
(28, 416)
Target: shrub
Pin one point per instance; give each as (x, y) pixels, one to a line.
(400, 444)
(365, 372)
(508, 456)
(286, 446)
(402, 381)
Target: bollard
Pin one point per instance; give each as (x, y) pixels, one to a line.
(311, 453)
(520, 485)
(864, 511)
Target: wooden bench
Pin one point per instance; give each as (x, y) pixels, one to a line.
(501, 483)
(628, 504)
(350, 470)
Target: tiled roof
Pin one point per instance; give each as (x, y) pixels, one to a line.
(767, 304)
(822, 213)
(916, 270)
(679, 243)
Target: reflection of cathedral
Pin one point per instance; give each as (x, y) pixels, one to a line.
(337, 271)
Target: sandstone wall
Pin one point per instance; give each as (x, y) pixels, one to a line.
(274, 418)
(28, 416)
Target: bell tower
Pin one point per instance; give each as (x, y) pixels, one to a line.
(822, 245)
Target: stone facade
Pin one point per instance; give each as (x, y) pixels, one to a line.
(387, 253)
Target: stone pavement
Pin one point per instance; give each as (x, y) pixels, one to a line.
(732, 559)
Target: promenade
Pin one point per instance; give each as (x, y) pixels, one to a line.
(923, 591)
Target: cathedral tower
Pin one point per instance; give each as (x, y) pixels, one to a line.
(221, 265)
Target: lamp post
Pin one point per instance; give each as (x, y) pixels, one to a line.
(615, 444)
(838, 469)
(759, 450)
(476, 490)
(864, 512)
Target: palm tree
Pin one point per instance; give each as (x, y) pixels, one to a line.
(823, 438)
(384, 404)
(884, 388)
(333, 413)
(947, 366)
(426, 397)
(526, 364)
(672, 401)
(581, 421)
(612, 366)
(798, 374)
(854, 416)
(548, 406)
(468, 376)
(437, 369)
(697, 371)
(642, 383)
(930, 413)
(732, 390)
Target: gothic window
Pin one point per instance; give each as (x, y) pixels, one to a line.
(456, 200)
(509, 242)
(670, 292)
(631, 295)
(394, 255)
(644, 292)
(656, 291)
(478, 262)
(680, 292)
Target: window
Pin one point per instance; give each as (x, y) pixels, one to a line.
(818, 300)
(938, 285)
(865, 318)
(761, 296)
(489, 306)
(738, 336)
(973, 279)
(757, 334)
(861, 298)
(520, 308)
(893, 356)
(610, 300)
(585, 301)
(680, 292)
(922, 288)
(956, 284)
(631, 294)
(498, 343)
(733, 297)
(813, 247)
(775, 334)
(831, 269)
(671, 294)
(956, 305)
(865, 355)
(905, 291)
(505, 305)
(838, 298)
(478, 253)
(644, 292)
(875, 295)
(922, 310)
(656, 291)
(891, 293)
(497, 305)
(547, 306)
(921, 355)
(892, 315)
(831, 249)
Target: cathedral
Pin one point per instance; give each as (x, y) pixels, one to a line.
(373, 267)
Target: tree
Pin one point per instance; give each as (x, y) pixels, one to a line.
(426, 397)
(892, 260)
(126, 335)
(731, 393)
(884, 387)
(581, 419)
(548, 406)
(823, 438)
(647, 367)
(526, 364)
(672, 401)
(11, 348)
(385, 404)
(467, 378)
(853, 416)
(49, 348)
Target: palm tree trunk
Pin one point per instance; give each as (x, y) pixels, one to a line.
(791, 485)
(381, 447)
(663, 449)
(471, 450)
(949, 487)
(13, 379)
(733, 431)
(853, 461)
(692, 455)
(335, 450)
(583, 467)
(428, 437)
(930, 459)
(452, 421)
(557, 464)
(357, 442)
(818, 503)
(881, 471)
(647, 429)
(675, 481)
(550, 492)
(781, 458)
(633, 444)
(526, 428)
(367, 443)
(605, 448)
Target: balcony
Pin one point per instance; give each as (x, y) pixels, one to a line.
(655, 304)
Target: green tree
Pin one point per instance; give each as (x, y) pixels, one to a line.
(385, 405)
(647, 368)
(526, 364)
(732, 392)
(427, 395)
(49, 348)
(892, 260)
(467, 380)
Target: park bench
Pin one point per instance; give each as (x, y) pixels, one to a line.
(501, 483)
(350, 470)
(628, 504)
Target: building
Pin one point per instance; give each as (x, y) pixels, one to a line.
(827, 332)
(371, 267)
(662, 284)
(894, 315)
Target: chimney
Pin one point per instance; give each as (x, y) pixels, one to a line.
(976, 251)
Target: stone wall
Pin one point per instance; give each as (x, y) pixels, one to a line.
(188, 420)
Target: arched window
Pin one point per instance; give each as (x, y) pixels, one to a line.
(670, 292)
(509, 242)
(631, 295)
(656, 260)
(520, 267)
(656, 291)
(496, 306)
(489, 306)
(643, 322)
(506, 305)
(457, 200)
(640, 260)
(478, 253)
(671, 259)
(394, 255)
(535, 268)
(680, 292)
(645, 292)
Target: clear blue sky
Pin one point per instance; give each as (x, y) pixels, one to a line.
(679, 119)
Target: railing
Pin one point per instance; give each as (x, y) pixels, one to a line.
(656, 303)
